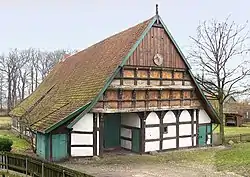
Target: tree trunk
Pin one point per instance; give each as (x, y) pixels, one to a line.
(221, 116)
(9, 92)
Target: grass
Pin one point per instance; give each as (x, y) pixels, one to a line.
(230, 131)
(19, 145)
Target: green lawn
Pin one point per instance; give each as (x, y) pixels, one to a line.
(229, 131)
(19, 144)
(5, 120)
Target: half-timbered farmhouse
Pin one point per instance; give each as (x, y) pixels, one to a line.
(132, 91)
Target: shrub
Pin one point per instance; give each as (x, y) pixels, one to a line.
(5, 144)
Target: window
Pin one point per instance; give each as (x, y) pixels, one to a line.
(165, 129)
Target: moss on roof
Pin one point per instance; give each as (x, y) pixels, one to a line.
(77, 80)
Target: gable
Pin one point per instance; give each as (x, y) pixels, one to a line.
(143, 85)
(155, 42)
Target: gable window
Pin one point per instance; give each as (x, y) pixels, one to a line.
(165, 129)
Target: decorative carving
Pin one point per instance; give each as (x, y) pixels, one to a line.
(158, 59)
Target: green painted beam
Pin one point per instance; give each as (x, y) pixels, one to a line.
(72, 115)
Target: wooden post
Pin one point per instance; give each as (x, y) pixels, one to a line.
(63, 173)
(192, 126)
(42, 169)
(26, 166)
(177, 128)
(197, 127)
(50, 147)
(6, 160)
(161, 116)
(142, 132)
(101, 132)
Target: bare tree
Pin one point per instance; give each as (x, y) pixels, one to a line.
(220, 50)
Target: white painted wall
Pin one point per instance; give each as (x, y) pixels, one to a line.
(203, 117)
(152, 132)
(185, 129)
(169, 117)
(84, 124)
(126, 144)
(81, 151)
(185, 116)
(80, 139)
(130, 119)
(171, 131)
(152, 146)
(185, 142)
(209, 139)
(125, 132)
(169, 144)
(152, 119)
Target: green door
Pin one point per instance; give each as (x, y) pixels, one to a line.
(59, 147)
(202, 135)
(112, 124)
(135, 140)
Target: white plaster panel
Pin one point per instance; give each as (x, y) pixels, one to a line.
(126, 144)
(152, 119)
(194, 128)
(97, 117)
(130, 119)
(152, 133)
(185, 129)
(194, 140)
(185, 142)
(81, 151)
(169, 144)
(81, 139)
(126, 132)
(152, 146)
(171, 131)
(209, 139)
(203, 117)
(85, 123)
(185, 116)
(97, 142)
(169, 117)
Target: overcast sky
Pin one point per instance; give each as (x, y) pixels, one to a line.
(76, 24)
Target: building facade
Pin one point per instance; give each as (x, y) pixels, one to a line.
(132, 91)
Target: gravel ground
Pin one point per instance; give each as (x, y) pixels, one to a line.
(157, 170)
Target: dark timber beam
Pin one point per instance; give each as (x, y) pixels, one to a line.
(197, 127)
(143, 117)
(101, 133)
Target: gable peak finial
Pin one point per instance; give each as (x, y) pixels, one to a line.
(157, 12)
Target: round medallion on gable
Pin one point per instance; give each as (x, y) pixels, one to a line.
(158, 59)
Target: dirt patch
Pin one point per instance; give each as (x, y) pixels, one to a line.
(145, 170)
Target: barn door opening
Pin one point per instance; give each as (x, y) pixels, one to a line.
(202, 135)
(112, 123)
(135, 140)
(59, 147)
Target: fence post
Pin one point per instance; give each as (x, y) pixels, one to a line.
(240, 138)
(26, 166)
(6, 161)
(63, 173)
(42, 169)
